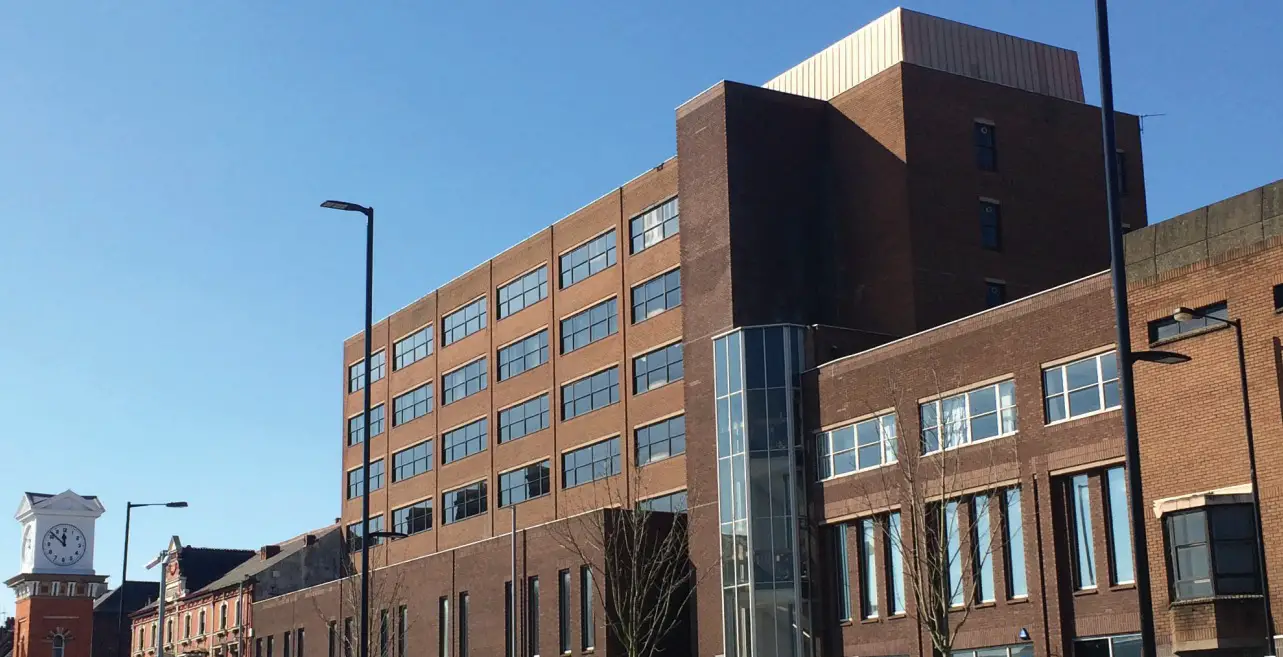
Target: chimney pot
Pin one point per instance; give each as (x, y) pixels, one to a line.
(269, 551)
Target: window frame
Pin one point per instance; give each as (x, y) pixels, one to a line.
(506, 488)
(464, 376)
(1101, 384)
(414, 345)
(1083, 552)
(482, 439)
(980, 148)
(508, 358)
(643, 370)
(356, 381)
(660, 281)
(1213, 543)
(610, 252)
(662, 225)
(407, 521)
(398, 469)
(968, 420)
(613, 460)
(610, 375)
(426, 404)
(540, 289)
(650, 443)
(483, 498)
(1198, 325)
(451, 334)
(355, 425)
(990, 227)
(569, 333)
(827, 456)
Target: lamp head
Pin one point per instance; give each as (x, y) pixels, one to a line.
(1183, 314)
(176, 505)
(1160, 357)
(345, 206)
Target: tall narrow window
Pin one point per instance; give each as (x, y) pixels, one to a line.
(271, 644)
(563, 611)
(1085, 553)
(285, 644)
(238, 612)
(532, 617)
(509, 638)
(953, 553)
(331, 648)
(1120, 537)
(986, 146)
(1017, 586)
(443, 626)
(222, 616)
(402, 620)
(59, 645)
(844, 572)
(298, 642)
(895, 565)
(347, 637)
(383, 633)
(982, 542)
(995, 293)
(990, 226)
(587, 629)
(868, 569)
(463, 624)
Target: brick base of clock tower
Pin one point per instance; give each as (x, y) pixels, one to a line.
(54, 614)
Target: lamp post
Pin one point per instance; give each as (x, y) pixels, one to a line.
(124, 570)
(1184, 314)
(365, 417)
(1127, 390)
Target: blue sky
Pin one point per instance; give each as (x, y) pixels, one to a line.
(173, 301)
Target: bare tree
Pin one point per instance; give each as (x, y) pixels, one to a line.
(944, 481)
(389, 594)
(642, 571)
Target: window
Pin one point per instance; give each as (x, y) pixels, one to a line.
(347, 637)
(657, 368)
(355, 483)
(142, 638)
(1278, 298)
(524, 419)
(238, 612)
(986, 147)
(356, 426)
(860, 446)
(412, 348)
(356, 372)
(563, 611)
(895, 565)
(509, 639)
(844, 571)
(464, 381)
(331, 640)
(271, 641)
(656, 295)
(584, 328)
(969, 417)
(402, 620)
(467, 440)
(285, 644)
(155, 634)
(222, 616)
(982, 548)
(522, 293)
(670, 503)
(532, 617)
(258, 648)
(411, 405)
(413, 519)
(59, 645)
(1121, 645)
(587, 629)
(653, 226)
(412, 461)
(1017, 650)
(868, 569)
(1085, 552)
(383, 633)
(298, 643)
(1122, 173)
(661, 440)
(463, 503)
(953, 552)
(990, 226)
(1168, 328)
(1121, 569)
(590, 463)
(354, 533)
(463, 322)
(463, 624)
(995, 294)
(587, 259)
(1213, 551)
(1017, 586)
(443, 626)
(590, 393)
(525, 354)
(524, 483)
(187, 626)
(1082, 387)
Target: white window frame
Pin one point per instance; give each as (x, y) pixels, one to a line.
(1065, 391)
(888, 441)
(1003, 430)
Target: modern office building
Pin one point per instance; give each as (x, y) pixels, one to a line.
(687, 340)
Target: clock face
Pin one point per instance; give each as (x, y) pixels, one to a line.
(63, 545)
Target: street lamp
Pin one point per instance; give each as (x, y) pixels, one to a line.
(1184, 314)
(124, 570)
(365, 417)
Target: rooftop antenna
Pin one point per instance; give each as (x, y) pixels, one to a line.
(1142, 118)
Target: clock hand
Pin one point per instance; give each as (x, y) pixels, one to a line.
(62, 539)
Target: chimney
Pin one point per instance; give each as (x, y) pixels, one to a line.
(269, 551)
(310, 539)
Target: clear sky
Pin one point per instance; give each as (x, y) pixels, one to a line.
(173, 302)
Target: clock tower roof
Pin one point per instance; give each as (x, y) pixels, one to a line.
(66, 503)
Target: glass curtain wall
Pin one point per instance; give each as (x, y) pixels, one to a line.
(765, 546)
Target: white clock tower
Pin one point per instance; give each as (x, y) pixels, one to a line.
(56, 584)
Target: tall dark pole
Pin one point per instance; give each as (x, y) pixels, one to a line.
(121, 644)
(1118, 274)
(365, 444)
(1256, 488)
